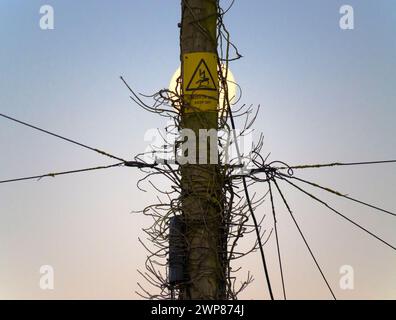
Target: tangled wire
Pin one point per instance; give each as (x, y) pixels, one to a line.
(235, 209)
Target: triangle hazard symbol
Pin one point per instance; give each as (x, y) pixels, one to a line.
(201, 79)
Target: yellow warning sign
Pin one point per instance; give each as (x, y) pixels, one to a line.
(200, 81)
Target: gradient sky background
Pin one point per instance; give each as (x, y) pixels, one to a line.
(326, 95)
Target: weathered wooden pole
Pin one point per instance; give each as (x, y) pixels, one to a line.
(202, 183)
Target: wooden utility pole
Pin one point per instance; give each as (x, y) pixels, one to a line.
(202, 184)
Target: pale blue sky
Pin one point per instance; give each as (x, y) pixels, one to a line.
(326, 95)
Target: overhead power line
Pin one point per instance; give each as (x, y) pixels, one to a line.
(55, 174)
(62, 137)
(335, 164)
(340, 214)
(340, 194)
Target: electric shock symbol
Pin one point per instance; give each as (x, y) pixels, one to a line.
(202, 78)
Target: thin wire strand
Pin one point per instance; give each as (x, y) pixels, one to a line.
(61, 137)
(304, 239)
(53, 175)
(277, 239)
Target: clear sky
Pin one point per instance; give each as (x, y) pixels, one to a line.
(326, 94)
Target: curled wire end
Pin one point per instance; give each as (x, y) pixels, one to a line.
(290, 170)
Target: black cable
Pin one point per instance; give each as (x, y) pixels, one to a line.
(305, 241)
(258, 237)
(52, 175)
(138, 164)
(61, 137)
(340, 214)
(277, 239)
